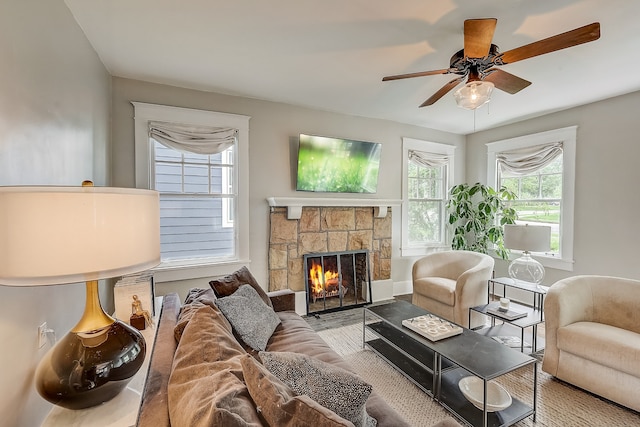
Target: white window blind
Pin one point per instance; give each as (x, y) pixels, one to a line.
(193, 139)
(528, 160)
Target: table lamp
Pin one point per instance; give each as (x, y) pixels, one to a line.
(59, 235)
(527, 238)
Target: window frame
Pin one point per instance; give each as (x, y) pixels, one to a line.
(568, 137)
(227, 181)
(197, 267)
(409, 144)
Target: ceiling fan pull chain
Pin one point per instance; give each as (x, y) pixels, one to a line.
(474, 119)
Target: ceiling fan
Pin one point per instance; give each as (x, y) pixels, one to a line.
(479, 59)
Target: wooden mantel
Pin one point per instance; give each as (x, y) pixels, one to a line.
(294, 205)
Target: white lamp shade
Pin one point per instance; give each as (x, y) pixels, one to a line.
(530, 238)
(55, 235)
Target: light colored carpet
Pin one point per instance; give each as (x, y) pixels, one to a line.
(559, 404)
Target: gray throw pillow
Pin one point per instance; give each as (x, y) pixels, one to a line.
(334, 388)
(250, 317)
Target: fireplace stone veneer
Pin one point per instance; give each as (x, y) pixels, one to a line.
(325, 229)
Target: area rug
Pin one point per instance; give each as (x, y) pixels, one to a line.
(559, 404)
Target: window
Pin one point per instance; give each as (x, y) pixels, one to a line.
(203, 185)
(539, 168)
(196, 203)
(427, 174)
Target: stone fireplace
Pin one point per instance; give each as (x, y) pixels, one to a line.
(315, 229)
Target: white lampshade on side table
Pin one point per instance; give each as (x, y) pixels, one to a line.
(527, 238)
(59, 235)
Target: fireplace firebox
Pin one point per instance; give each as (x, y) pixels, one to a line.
(337, 280)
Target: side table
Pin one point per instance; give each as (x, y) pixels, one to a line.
(122, 410)
(534, 317)
(539, 291)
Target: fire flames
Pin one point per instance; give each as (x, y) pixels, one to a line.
(320, 283)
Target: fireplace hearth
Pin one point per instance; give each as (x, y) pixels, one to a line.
(337, 280)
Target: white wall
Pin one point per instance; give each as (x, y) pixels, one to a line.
(271, 128)
(54, 128)
(606, 225)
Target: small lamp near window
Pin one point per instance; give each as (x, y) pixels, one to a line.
(58, 235)
(527, 238)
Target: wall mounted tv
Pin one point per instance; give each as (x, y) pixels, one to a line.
(335, 165)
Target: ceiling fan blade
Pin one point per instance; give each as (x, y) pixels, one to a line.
(478, 34)
(581, 35)
(442, 91)
(419, 74)
(506, 81)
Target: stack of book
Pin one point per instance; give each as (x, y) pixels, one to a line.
(511, 341)
(508, 314)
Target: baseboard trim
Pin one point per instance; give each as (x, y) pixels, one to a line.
(402, 288)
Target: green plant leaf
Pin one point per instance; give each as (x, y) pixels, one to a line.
(478, 213)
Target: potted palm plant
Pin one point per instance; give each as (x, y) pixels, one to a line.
(477, 214)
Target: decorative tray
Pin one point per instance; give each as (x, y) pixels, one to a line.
(432, 327)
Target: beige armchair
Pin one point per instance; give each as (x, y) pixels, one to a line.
(592, 335)
(448, 283)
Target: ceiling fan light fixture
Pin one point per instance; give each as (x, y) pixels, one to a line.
(474, 94)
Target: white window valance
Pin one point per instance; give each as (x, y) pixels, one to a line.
(193, 139)
(529, 159)
(428, 159)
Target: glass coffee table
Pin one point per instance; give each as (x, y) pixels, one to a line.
(437, 367)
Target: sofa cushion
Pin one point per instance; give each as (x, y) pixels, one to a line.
(437, 288)
(280, 406)
(229, 284)
(334, 388)
(195, 299)
(295, 334)
(206, 386)
(200, 295)
(606, 345)
(251, 318)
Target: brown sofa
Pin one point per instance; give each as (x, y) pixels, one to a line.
(292, 335)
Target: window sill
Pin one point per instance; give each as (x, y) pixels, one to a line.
(555, 263)
(180, 270)
(546, 261)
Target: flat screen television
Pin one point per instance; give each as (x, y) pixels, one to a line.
(336, 165)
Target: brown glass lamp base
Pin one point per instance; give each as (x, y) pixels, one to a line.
(78, 374)
(86, 368)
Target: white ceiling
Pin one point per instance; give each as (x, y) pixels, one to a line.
(332, 54)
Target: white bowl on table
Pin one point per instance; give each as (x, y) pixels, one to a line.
(473, 389)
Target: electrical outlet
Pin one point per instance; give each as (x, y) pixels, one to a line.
(42, 335)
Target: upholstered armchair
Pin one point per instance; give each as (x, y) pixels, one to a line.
(592, 335)
(448, 283)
